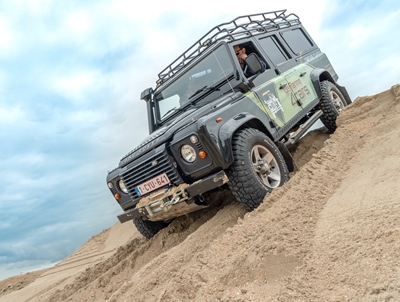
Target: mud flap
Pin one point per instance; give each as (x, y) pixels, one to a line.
(287, 156)
(344, 92)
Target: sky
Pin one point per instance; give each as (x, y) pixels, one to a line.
(71, 74)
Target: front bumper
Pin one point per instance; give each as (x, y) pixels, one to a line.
(172, 202)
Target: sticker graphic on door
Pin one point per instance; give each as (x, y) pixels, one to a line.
(273, 104)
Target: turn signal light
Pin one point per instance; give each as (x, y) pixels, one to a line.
(117, 196)
(218, 119)
(202, 154)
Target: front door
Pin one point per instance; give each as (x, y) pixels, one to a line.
(287, 94)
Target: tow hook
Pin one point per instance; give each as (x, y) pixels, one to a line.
(170, 202)
(180, 195)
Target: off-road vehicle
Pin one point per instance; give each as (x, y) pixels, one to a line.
(214, 127)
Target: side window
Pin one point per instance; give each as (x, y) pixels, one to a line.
(297, 40)
(273, 49)
(244, 49)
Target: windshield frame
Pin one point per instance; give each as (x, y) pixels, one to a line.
(211, 69)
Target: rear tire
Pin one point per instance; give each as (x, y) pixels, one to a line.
(257, 169)
(149, 228)
(331, 103)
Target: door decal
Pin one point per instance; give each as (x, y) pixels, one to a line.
(273, 104)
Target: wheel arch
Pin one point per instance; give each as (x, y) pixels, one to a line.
(317, 76)
(238, 122)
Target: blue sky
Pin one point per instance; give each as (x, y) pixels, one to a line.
(70, 82)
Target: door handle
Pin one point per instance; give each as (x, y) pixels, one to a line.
(282, 86)
(303, 74)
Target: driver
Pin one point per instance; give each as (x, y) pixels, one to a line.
(241, 55)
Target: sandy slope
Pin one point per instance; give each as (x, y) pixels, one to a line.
(332, 233)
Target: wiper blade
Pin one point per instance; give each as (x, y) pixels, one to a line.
(169, 111)
(201, 90)
(176, 110)
(198, 91)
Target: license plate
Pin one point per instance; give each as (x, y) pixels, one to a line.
(153, 184)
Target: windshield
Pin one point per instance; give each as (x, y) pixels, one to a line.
(207, 73)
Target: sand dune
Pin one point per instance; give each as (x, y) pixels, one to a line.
(332, 233)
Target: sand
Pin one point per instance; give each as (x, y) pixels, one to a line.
(332, 233)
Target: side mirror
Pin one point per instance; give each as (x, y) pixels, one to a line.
(253, 64)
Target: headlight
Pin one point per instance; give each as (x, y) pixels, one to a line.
(122, 186)
(194, 139)
(188, 153)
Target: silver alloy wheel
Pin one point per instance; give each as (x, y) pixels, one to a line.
(266, 166)
(337, 101)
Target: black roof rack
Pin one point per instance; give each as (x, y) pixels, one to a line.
(240, 27)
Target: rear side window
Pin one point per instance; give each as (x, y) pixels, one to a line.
(274, 51)
(297, 40)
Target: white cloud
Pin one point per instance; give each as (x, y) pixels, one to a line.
(358, 35)
(36, 8)
(29, 159)
(11, 114)
(79, 22)
(7, 42)
(74, 85)
(366, 30)
(85, 117)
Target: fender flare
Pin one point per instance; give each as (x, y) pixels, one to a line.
(230, 127)
(226, 132)
(318, 75)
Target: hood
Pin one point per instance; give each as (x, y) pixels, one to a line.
(178, 122)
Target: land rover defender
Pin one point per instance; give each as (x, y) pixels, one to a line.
(213, 127)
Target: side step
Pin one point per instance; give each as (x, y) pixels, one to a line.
(303, 129)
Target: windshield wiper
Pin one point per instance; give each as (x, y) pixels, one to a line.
(171, 110)
(201, 90)
(175, 110)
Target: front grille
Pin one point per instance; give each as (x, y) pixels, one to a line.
(144, 170)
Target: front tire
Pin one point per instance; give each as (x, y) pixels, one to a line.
(331, 103)
(149, 228)
(257, 169)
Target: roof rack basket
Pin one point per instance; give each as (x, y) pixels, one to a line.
(238, 28)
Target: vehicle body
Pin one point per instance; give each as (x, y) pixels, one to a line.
(212, 127)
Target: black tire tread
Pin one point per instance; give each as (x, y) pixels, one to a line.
(242, 181)
(330, 113)
(148, 228)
